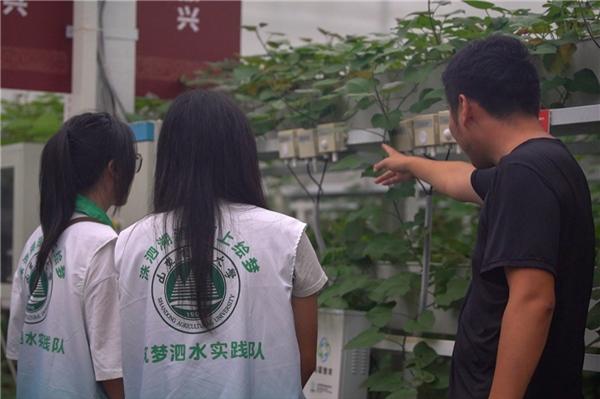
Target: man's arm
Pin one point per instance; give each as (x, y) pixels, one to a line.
(524, 330)
(449, 178)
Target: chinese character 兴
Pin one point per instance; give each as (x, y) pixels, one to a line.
(188, 16)
(60, 271)
(251, 265)
(197, 351)
(218, 349)
(19, 5)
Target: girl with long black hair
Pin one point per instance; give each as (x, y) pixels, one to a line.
(64, 327)
(218, 294)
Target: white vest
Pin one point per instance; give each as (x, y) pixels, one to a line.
(251, 352)
(47, 330)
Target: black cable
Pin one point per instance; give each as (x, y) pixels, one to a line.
(586, 23)
(430, 191)
(300, 182)
(309, 173)
(323, 176)
(317, 202)
(114, 98)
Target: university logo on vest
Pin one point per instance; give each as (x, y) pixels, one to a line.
(174, 291)
(40, 288)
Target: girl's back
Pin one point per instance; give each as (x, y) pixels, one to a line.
(251, 349)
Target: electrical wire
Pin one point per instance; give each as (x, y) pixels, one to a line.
(317, 228)
(586, 23)
(308, 194)
(114, 98)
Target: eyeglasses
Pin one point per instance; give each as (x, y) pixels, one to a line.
(138, 162)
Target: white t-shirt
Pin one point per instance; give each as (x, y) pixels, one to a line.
(65, 333)
(251, 350)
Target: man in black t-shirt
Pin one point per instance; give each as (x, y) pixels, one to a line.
(521, 328)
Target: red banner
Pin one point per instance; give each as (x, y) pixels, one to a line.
(36, 54)
(544, 118)
(177, 37)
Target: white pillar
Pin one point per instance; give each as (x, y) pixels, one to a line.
(84, 70)
(120, 36)
(91, 85)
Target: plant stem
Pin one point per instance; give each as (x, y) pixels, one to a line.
(432, 21)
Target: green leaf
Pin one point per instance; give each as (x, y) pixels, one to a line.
(444, 47)
(307, 91)
(385, 246)
(482, 5)
(585, 81)
(545, 48)
(366, 102)
(424, 104)
(392, 86)
(380, 315)
(396, 286)
(378, 120)
(597, 276)
(455, 290)
(553, 83)
(249, 28)
(389, 123)
(244, 73)
(434, 94)
(593, 319)
(422, 324)
(424, 355)
(403, 393)
(335, 303)
(325, 83)
(401, 191)
(343, 287)
(422, 377)
(359, 85)
(418, 73)
(366, 339)
(385, 380)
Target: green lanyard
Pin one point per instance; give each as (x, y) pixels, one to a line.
(89, 208)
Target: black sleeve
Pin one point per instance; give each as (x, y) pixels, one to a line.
(481, 180)
(523, 222)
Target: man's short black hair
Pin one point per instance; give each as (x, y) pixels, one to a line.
(498, 73)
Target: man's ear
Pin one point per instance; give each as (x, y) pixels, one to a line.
(465, 110)
(112, 170)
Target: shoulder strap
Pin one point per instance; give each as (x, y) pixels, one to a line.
(81, 219)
